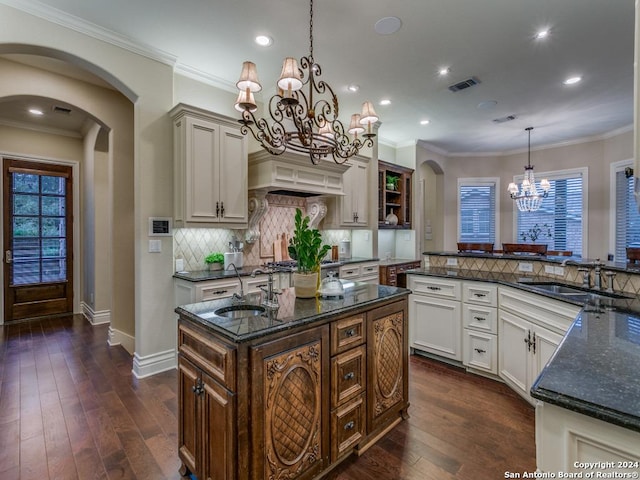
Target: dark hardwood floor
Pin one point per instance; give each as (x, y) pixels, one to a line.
(70, 408)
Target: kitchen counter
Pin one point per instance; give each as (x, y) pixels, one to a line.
(293, 312)
(594, 369)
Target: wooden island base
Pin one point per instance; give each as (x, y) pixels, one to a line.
(295, 402)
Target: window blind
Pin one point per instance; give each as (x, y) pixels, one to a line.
(627, 217)
(477, 213)
(560, 213)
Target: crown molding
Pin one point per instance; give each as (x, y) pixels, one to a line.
(79, 25)
(204, 77)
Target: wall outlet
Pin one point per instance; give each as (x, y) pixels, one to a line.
(452, 262)
(525, 266)
(155, 246)
(559, 271)
(549, 269)
(179, 264)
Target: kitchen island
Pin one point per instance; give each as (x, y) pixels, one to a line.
(289, 393)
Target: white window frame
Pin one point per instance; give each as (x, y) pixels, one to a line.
(614, 168)
(481, 181)
(584, 171)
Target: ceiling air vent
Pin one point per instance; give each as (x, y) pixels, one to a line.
(508, 118)
(61, 110)
(470, 82)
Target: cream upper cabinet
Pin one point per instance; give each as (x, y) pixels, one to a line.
(354, 209)
(210, 170)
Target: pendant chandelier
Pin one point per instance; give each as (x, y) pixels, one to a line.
(303, 122)
(528, 198)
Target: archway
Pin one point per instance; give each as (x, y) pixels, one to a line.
(431, 177)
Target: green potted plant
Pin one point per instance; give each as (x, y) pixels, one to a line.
(306, 248)
(392, 182)
(214, 261)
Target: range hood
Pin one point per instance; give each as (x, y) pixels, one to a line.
(294, 174)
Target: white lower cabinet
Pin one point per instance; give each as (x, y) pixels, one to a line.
(361, 272)
(479, 318)
(192, 292)
(530, 327)
(566, 441)
(435, 315)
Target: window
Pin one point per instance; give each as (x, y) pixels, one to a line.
(560, 220)
(477, 212)
(627, 218)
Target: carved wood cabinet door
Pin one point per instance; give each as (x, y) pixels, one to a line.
(290, 406)
(387, 366)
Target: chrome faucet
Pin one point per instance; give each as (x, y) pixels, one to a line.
(271, 296)
(597, 281)
(236, 296)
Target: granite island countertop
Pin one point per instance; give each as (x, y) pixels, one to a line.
(292, 313)
(594, 370)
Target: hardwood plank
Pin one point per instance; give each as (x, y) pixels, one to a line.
(69, 399)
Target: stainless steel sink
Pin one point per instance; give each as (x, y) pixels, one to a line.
(573, 292)
(240, 311)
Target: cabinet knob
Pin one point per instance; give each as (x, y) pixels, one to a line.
(350, 426)
(222, 209)
(351, 332)
(217, 209)
(349, 376)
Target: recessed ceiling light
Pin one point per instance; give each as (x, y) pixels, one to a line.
(487, 105)
(572, 80)
(424, 122)
(36, 111)
(353, 88)
(444, 71)
(388, 25)
(542, 34)
(385, 102)
(264, 40)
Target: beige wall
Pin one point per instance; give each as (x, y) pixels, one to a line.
(595, 155)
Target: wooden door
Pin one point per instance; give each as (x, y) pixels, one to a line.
(38, 239)
(289, 407)
(219, 431)
(189, 384)
(387, 359)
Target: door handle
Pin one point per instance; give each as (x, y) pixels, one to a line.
(8, 256)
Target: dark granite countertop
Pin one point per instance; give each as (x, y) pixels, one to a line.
(579, 261)
(293, 312)
(204, 275)
(594, 370)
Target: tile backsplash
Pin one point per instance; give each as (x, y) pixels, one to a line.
(194, 244)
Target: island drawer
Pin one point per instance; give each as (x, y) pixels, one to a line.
(214, 358)
(480, 293)
(348, 375)
(347, 427)
(347, 333)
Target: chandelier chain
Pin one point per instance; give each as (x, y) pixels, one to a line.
(311, 30)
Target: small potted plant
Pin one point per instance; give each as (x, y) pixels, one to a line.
(392, 182)
(307, 249)
(214, 261)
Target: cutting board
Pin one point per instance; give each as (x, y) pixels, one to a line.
(277, 251)
(285, 247)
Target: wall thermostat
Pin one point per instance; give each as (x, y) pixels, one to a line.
(160, 227)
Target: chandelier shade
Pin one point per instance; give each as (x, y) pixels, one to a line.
(303, 120)
(528, 198)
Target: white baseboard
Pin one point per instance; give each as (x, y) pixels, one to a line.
(116, 337)
(155, 363)
(95, 317)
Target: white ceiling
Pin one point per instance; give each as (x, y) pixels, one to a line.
(492, 40)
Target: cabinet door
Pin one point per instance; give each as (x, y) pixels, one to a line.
(354, 211)
(513, 359)
(188, 438)
(387, 360)
(290, 406)
(201, 170)
(435, 326)
(232, 176)
(480, 351)
(219, 433)
(544, 345)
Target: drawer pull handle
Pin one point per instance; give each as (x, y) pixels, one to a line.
(480, 295)
(480, 319)
(479, 350)
(351, 332)
(350, 426)
(349, 376)
(219, 292)
(433, 288)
